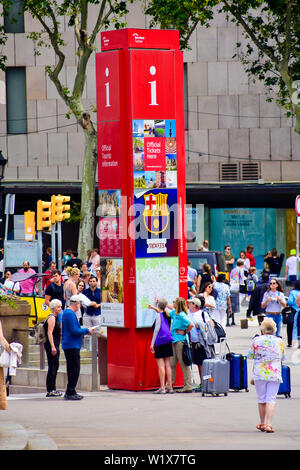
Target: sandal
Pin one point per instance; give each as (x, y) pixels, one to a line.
(261, 427)
(159, 392)
(269, 428)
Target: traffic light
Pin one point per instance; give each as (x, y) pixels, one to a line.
(65, 207)
(59, 210)
(43, 215)
(29, 223)
(56, 209)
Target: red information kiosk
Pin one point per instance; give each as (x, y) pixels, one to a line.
(141, 161)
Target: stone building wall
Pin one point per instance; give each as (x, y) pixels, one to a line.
(229, 120)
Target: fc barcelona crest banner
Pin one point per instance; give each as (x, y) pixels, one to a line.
(156, 213)
(155, 222)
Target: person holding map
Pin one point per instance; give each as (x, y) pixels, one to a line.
(181, 326)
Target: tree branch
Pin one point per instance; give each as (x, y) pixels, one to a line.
(263, 47)
(99, 22)
(53, 36)
(288, 32)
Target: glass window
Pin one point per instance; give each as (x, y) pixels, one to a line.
(14, 18)
(16, 108)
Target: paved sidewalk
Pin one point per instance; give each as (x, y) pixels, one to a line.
(110, 419)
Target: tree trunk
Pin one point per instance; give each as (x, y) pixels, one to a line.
(283, 69)
(87, 221)
(297, 125)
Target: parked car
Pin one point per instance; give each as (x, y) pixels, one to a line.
(215, 259)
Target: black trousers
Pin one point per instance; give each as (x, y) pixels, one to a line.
(289, 330)
(53, 365)
(73, 369)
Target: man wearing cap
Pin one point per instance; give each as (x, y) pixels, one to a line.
(198, 351)
(72, 334)
(291, 267)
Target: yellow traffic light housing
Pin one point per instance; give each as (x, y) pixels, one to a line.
(59, 210)
(29, 223)
(43, 216)
(65, 207)
(56, 209)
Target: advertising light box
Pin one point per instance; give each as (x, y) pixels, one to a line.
(141, 182)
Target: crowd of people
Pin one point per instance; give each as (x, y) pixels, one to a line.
(241, 283)
(76, 292)
(264, 296)
(77, 277)
(190, 322)
(73, 298)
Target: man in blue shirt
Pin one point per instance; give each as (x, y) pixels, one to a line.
(92, 315)
(72, 334)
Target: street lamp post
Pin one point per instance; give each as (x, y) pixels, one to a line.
(3, 162)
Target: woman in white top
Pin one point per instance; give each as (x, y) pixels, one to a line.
(273, 302)
(70, 286)
(208, 293)
(94, 259)
(246, 261)
(12, 287)
(85, 302)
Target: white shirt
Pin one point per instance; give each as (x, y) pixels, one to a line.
(246, 263)
(192, 273)
(291, 264)
(210, 301)
(274, 306)
(12, 286)
(196, 317)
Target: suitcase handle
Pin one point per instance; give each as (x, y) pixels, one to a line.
(223, 346)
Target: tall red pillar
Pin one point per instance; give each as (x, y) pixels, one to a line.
(141, 161)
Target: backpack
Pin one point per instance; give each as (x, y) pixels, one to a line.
(250, 285)
(40, 335)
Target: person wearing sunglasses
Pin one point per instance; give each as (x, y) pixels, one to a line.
(273, 302)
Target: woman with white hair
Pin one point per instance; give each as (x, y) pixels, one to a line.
(268, 353)
(52, 327)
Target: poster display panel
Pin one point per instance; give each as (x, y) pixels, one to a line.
(156, 223)
(112, 292)
(155, 278)
(141, 160)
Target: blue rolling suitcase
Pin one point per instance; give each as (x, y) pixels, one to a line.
(238, 372)
(285, 386)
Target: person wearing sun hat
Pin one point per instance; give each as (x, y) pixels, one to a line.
(291, 266)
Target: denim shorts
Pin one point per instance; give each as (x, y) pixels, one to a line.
(266, 390)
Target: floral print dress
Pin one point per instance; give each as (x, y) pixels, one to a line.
(268, 353)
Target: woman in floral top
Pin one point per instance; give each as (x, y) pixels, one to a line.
(268, 352)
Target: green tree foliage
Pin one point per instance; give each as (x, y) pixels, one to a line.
(3, 39)
(272, 32)
(79, 15)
